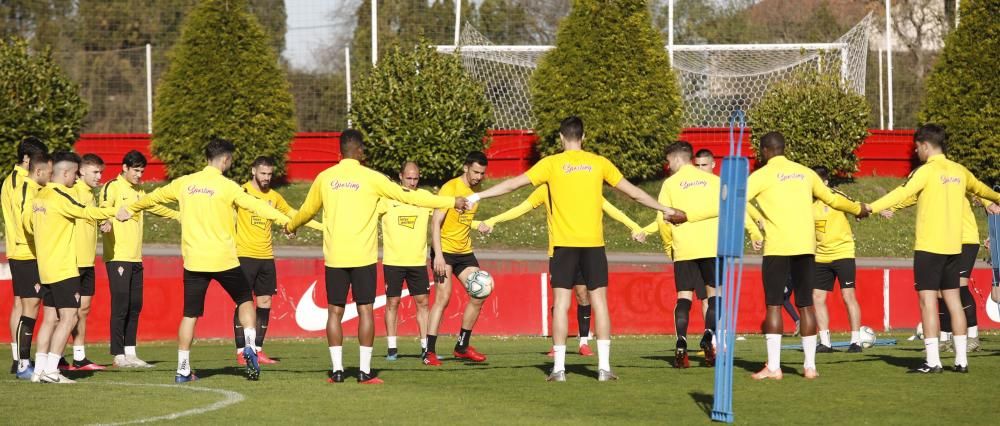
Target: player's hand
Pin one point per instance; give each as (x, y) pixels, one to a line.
(123, 214)
(993, 208)
(461, 204)
(484, 228)
(675, 216)
(757, 245)
(439, 268)
(289, 235)
(106, 226)
(639, 236)
(888, 214)
(866, 211)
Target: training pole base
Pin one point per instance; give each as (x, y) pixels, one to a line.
(719, 416)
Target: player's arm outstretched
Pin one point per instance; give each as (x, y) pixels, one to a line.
(836, 200)
(389, 189)
(913, 185)
(249, 202)
(286, 209)
(162, 195)
(638, 233)
(309, 207)
(979, 189)
(538, 197)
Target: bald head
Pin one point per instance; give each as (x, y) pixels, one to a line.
(409, 175)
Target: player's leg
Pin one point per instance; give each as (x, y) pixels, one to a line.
(87, 289)
(50, 321)
(847, 276)
(264, 287)
(119, 277)
(564, 267)
(195, 288)
(968, 263)
(15, 319)
(803, 271)
(442, 295)
(707, 268)
(364, 280)
(394, 277)
(790, 307)
(420, 287)
(774, 271)
(249, 269)
(594, 264)
(135, 298)
(826, 274)
(952, 297)
(337, 285)
(64, 296)
(928, 270)
(26, 284)
(463, 269)
(583, 314)
(682, 312)
(235, 284)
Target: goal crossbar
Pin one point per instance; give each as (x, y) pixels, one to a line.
(676, 47)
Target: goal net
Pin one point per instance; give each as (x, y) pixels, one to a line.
(714, 80)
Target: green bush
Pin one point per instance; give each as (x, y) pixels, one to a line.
(963, 88)
(420, 105)
(822, 121)
(610, 68)
(224, 80)
(36, 99)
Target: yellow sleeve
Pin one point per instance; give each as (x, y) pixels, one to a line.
(382, 207)
(386, 188)
(514, 213)
(903, 204)
(833, 199)
(980, 189)
(166, 212)
(311, 205)
(654, 225)
(540, 172)
(282, 206)
(611, 173)
(751, 227)
(249, 202)
(618, 215)
(667, 235)
(108, 196)
(162, 195)
(312, 224)
(913, 185)
(754, 214)
(28, 218)
(79, 211)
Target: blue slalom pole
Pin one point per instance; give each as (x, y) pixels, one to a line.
(729, 266)
(994, 222)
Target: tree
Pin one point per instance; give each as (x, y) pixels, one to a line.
(420, 105)
(39, 100)
(609, 67)
(224, 80)
(962, 90)
(822, 121)
(404, 23)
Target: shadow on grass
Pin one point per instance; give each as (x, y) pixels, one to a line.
(704, 402)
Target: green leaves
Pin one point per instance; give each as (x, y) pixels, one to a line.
(224, 80)
(419, 105)
(963, 88)
(823, 123)
(36, 99)
(610, 68)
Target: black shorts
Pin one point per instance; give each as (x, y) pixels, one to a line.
(360, 280)
(87, 281)
(841, 270)
(695, 275)
(777, 269)
(261, 275)
(24, 274)
(460, 262)
(63, 294)
(967, 260)
(932, 271)
(196, 286)
(579, 265)
(416, 279)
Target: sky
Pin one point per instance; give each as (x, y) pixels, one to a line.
(310, 26)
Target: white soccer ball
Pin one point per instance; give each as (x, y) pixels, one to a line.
(479, 285)
(868, 337)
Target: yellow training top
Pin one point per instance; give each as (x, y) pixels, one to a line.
(576, 196)
(404, 232)
(86, 229)
(785, 190)
(970, 229)
(349, 193)
(124, 242)
(207, 200)
(834, 239)
(15, 195)
(456, 237)
(940, 186)
(540, 196)
(696, 193)
(52, 222)
(253, 232)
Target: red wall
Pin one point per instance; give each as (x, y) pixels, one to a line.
(511, 152)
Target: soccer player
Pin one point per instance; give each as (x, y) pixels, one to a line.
(785, 190)
(19, 187)
(404, 240)
(91, 168)
(207, 200)
(834, 261)
(940, 185)
(575, 178)
(704, 160)
(349, 194)
(123, 259)
(52, 223)
(539, 197)
(451, 243)
(695, 191)
(254, 248)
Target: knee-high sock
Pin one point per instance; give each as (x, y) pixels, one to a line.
(944, 315)
(710, 314)
(681, 314)
(263, 319)
(25, 331)
(238, 329)
(583, 320)
(969, 306)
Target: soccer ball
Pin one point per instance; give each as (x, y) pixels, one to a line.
(479, 285)
(867, 337)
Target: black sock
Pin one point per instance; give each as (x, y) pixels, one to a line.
(263, 318)
(710, 316)
(463, 340)
(241, 341)
(944, 315)
(969, 306)
(432, 343)
(583, 319)
(393, 351)
(681, 313)
(25, 331)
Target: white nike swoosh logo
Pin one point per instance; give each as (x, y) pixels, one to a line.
(310, 317)
(961, 272)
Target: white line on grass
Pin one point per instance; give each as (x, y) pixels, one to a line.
(230, 399)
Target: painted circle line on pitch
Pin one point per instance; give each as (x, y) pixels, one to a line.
(230, 399)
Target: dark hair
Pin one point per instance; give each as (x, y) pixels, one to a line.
(218, 147)
(65, 156)
(774, 141)
(91, 159)
(407, 163)
(134, 159)
(38, 158)
(263, 160)
(823, 172)
(350, 138)
(571, 128)
(932, 134)
(476, 157)
(680, 148)
(29, 146)
(704, 152)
